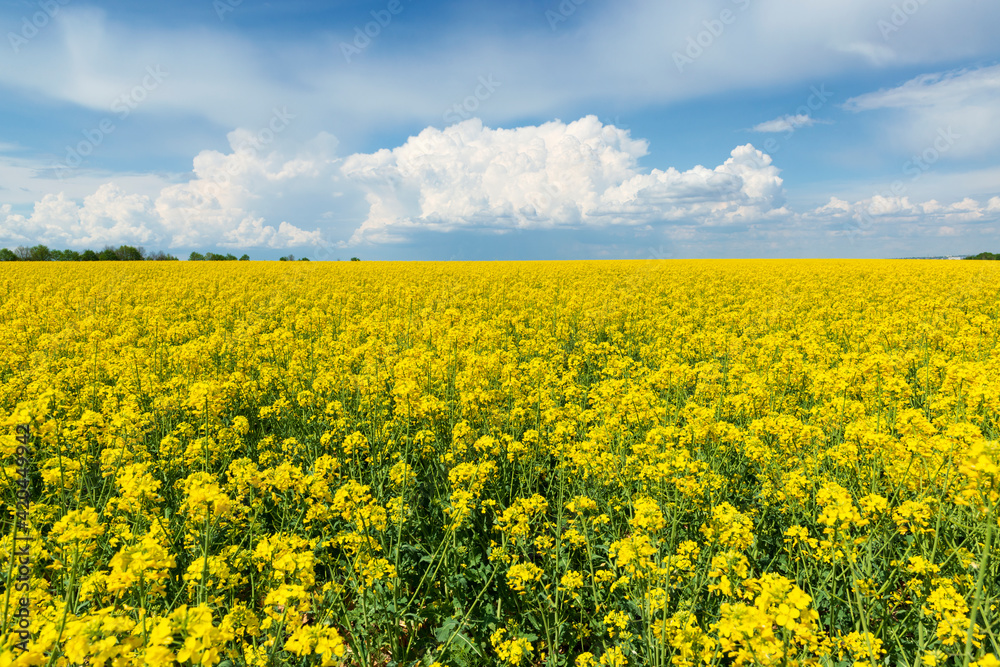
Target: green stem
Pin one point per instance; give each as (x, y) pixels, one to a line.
(983, 563)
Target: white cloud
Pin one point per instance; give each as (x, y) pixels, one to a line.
(964, 104)
(233, 193)
(24, 181)
(787, 123)
(88, 58)
(556, 175)
(108, 216)
(933, 90)
(225, 205)
(470, 180)
(898, 216)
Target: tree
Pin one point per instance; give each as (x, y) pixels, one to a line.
(160, 256)
(65, 256)
(245, 258)
(217, 257)
(287, 258)
(126, 253)
(23, 254)
(88, 255)
(108, 254)
(985, 255)
(7, 255)
(196, 257)
(39, 253)
(355, 259)
(303, 259)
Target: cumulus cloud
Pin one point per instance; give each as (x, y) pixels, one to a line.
(894, 216)
(580, 178)
(226, 204)
(556, 175)
(108, 216)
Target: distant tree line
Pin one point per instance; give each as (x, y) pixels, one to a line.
(122, 253)
(41, 253)
(984, 255)
(214, 257)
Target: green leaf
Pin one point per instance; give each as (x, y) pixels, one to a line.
(443, 633)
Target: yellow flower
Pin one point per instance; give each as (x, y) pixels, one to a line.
(729, 527)
(616, 622)
(522, 576)
(614, 657)
(839, 513)
(571, 582)
(511, 651)
(78, 526)
(647, 517)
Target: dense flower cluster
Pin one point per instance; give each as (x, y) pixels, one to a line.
(573, 464)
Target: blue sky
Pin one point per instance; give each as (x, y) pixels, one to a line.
(529, 129)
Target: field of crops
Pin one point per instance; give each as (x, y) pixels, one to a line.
(606, 463)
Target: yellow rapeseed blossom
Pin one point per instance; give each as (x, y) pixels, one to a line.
(598, 463)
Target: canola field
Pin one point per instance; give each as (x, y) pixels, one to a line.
(584, 464)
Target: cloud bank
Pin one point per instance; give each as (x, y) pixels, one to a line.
(556, 175)
(467, 178)
(225, 205)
